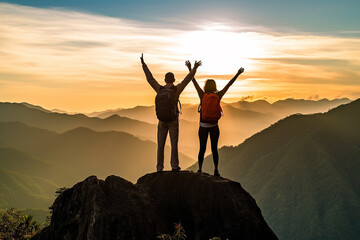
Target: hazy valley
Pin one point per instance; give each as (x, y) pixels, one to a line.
(301, 170)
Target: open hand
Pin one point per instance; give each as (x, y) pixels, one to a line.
(142, 58)
(188, 64)
(241, 70)
(197, 64)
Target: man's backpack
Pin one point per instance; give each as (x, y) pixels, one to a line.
(210, 107)
(166, 104)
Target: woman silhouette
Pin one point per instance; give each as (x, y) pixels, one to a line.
(210, 113)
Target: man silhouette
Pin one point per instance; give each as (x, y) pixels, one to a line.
(171, 126)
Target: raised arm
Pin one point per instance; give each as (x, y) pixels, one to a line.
(188, 78)
(224, 90)
(196, 85)
(149, 77)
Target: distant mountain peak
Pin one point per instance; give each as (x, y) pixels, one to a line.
(35, 107)
(114, 116)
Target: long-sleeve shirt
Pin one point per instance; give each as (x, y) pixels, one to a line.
(156, 86)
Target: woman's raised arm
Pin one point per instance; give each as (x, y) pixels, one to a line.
(224, 90)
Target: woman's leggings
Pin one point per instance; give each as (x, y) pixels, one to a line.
(214, 138)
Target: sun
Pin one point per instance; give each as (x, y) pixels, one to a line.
(221, 50)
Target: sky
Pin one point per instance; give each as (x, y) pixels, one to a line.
(83, 56)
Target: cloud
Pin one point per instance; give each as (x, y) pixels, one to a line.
(314, 97)
(307, 61)
(247, 98)
(58, 43)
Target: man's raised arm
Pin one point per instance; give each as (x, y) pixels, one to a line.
(149, 77)
(188, 77)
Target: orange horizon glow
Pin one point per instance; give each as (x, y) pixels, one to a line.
(83, 63)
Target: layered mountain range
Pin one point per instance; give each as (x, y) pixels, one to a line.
(301, 170)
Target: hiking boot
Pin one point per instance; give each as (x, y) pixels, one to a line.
(176, 169)
(199, 171)
(216, 173)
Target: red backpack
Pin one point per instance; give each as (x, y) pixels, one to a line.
(210, 107)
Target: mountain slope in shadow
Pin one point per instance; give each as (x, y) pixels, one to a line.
(304, 172)
(82, 151)
(25, 191)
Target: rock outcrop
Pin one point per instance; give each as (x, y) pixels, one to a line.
(206, 206)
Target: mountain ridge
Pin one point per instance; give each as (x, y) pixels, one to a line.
(76, 150)
(303, 171)
(61, 122)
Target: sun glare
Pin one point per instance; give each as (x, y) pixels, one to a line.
(222, 51)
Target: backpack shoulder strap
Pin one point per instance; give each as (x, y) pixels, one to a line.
(179, 103)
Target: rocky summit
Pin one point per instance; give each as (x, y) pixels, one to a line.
(206, 206)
